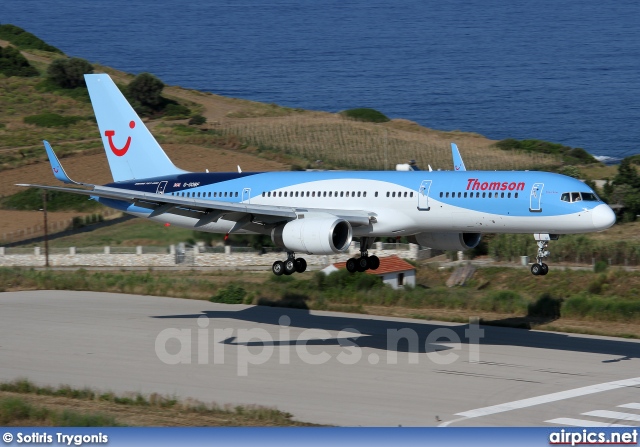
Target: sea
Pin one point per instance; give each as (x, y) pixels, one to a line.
(556, 70)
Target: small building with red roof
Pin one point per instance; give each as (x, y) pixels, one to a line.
(394, 271)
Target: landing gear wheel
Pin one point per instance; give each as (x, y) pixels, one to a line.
(544, 269)
(352, 266)
(363, 264)
(289, 266)
(374, 262)
(301, 265)
(536, 269)
(278, 268)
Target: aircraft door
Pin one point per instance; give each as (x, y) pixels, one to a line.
(423, 195)
(246, 195)
(161, 187)
(535, 201)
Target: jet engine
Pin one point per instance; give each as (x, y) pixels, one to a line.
(314, 236)
(449, 241)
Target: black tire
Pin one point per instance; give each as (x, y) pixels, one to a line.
(289, 266)
(362, 264)
(278, 268)
(301, 265)
(352, 266)
(536, 269)
(374, 262)
(544, 269)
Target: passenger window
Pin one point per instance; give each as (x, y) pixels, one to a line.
(411, 194)
(459, 195)
(236, 193)
(502, 195)
(465, 195)
(358, 193)
(393, 194)
(440, 193)
(387, 193)
(508, 195)
(324, 194)
(375, 194)
(489, 195)
(447, 195)
(364, 194)
(516, 195)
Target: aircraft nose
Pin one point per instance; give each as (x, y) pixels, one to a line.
(603, 217)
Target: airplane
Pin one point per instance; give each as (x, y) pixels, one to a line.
(321, 212)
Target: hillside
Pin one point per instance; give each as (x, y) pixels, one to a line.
(256, 136)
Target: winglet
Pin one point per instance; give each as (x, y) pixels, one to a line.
(56, 167)
(458, 164)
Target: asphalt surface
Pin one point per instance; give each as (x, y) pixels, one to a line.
(323, 367)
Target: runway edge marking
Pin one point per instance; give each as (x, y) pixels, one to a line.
(546, 398)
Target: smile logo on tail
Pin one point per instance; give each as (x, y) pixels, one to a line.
(119, 152)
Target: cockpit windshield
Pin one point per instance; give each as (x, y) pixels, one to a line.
(578, 196)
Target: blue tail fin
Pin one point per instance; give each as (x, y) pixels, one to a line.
(132, 152)
(458, 164)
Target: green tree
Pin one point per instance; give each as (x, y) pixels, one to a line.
(147, 90)
(627, 174)
(69, 73)
(13, 63)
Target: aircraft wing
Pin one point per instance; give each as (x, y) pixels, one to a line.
(207, 211)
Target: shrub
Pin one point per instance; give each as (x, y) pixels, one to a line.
(13, 63)
(23, 39)
(197, 120)
(177, 110)
(569, 154)
(69, 73)
(364, 114)
(600, 266)
(147, 90)
(52, 120)
(232, 294)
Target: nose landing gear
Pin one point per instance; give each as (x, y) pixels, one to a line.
(540, 268)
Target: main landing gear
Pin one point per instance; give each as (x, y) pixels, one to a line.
(290, 266)
(364, 262)
(539, 268)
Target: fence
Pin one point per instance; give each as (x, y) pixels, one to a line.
(226, 256)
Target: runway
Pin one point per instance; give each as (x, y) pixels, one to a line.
(323, 367)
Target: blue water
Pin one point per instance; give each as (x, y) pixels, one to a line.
(561, 71)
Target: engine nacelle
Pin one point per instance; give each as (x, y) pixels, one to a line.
(449, 241)
(314, 236)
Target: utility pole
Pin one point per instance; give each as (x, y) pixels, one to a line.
(46, 231)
